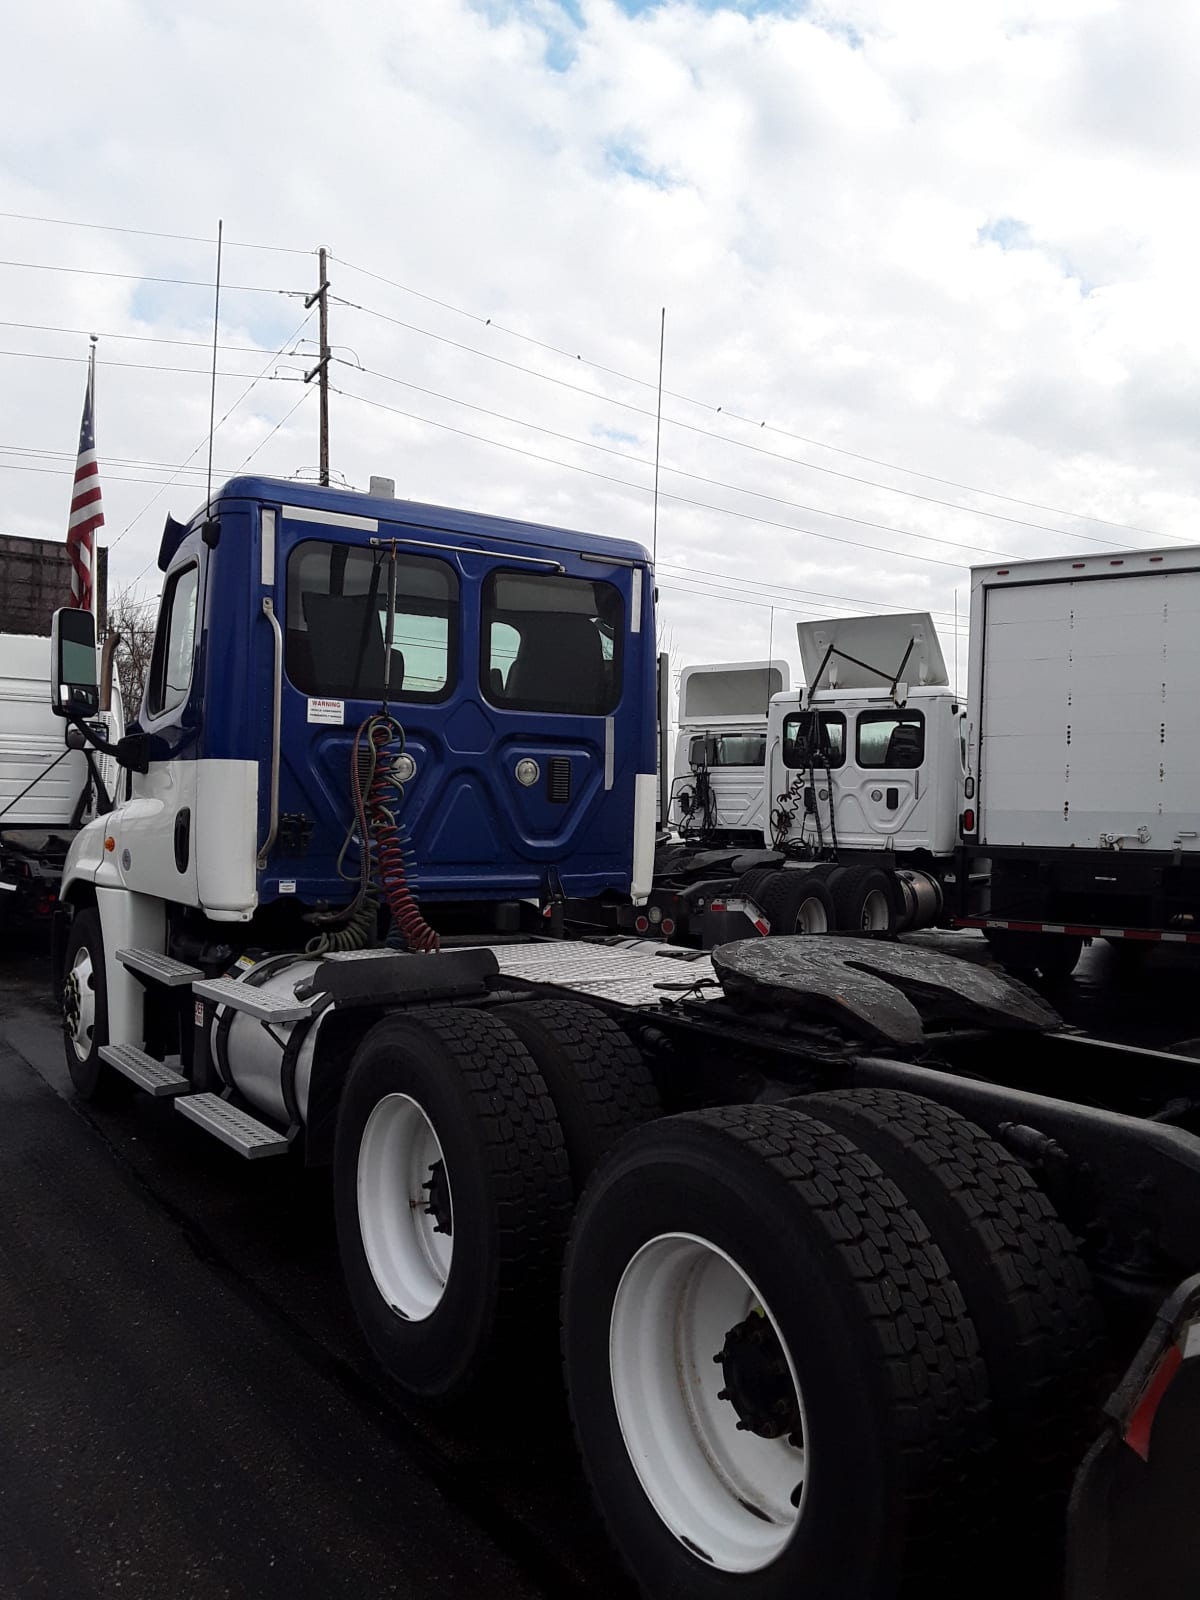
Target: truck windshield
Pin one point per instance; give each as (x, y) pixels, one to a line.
(551, 643)
(337, 616)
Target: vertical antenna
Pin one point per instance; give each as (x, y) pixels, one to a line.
(212, 396)
(662, 335)
(770, 653)
(320, 299)
(956, 644)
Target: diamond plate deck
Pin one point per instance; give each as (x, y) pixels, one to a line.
(241, 1132)
(155, 1077)
(627, 977)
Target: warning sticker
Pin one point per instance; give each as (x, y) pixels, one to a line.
(332, 711)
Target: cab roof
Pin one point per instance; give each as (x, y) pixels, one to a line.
(477, 525)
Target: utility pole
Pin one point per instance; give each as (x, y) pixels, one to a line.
(321, 371)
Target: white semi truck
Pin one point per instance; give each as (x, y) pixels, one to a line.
(850, 1240)
(1057, 800)
(48, 785)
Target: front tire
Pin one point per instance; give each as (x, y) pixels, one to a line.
(774, 1381)
(452, 1199)
(85, 1014)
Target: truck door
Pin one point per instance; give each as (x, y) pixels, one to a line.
(158, 825)
(885, 793)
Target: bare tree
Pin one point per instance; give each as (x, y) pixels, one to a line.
(134, 620)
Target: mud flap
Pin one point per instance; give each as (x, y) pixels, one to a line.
(1133, 1526)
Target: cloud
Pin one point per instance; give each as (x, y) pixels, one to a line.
(956, 239)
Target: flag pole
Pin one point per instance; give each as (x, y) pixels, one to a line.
(94, 337)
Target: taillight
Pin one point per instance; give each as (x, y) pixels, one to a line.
(642, 924)
(968, 820)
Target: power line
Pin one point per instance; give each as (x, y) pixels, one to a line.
(69, 455)
(706, 405)
(237, 469)
(139, 366)
(150, 233)
(213, 431)
(138, 338)
(786, 590)
(606, 477)
(819, 613)
(716, 483)
(600, 367)
(740, 444)
(147, 277)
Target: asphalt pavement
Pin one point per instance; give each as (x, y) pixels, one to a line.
(187, 1411)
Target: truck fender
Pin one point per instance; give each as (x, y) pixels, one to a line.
(1132, 1530)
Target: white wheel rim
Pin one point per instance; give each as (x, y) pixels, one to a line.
(80, 990)
(408, 1256)
(875, 912)
(812, 917)
(725, 1494)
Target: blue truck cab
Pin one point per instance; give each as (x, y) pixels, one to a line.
(522, 671)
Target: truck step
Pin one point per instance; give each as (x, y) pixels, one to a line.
(238, 1129)
(155, 1077)
(163, 969)
(240, 996)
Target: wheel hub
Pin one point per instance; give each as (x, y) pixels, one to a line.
(438, 1205)
(79, 1005)
(758, 1384)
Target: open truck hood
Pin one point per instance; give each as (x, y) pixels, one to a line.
(871, 652)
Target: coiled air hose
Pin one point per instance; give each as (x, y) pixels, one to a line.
(384, 792)
(376, 792)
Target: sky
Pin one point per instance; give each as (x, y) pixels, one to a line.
(928, 273)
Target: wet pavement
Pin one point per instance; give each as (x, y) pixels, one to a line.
(186, 1406)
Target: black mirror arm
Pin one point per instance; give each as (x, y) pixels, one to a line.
(132, 751)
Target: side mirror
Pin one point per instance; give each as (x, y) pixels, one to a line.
(76, 689)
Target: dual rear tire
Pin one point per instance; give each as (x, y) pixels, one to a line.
(809, 1347)
(462, 1140)
(824, 898)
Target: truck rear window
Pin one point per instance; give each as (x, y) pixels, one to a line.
(551, 643)
(798, 730)
(728, 750)
(337, 605)
(894, 739)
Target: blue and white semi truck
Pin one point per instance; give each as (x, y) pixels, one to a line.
(852, 1240)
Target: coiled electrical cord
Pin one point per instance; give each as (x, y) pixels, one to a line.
(385, 791)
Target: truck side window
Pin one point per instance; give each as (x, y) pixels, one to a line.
(729, 750)
(337, 616)
(174, 644)
(891, 739)
(831, 732)
(551, 643)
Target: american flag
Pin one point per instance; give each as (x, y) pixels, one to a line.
(87, 514)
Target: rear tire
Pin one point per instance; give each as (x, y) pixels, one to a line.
(864, 901)
(1026, 1288)
(798, 901)
(597, 1077)
(85, 1014)
(452, 1199)
(869, 1359)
